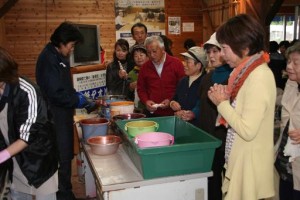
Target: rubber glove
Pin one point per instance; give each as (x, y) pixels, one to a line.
(4, 156)
(90, 107)
(82, 100)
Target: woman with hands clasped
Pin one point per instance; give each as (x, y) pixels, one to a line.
(288, 146)
(185, 102)
(246, 106)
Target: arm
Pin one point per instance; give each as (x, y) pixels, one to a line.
(26, 122)
(55, 81)
(295, 136)
(179, 74)
(258, 96)
(196, 109)
(142, 86)
(174, 102)
(142, 91)
(12, 150)
(175, 105)
(189, 115)
(109, 77)
(180, 70)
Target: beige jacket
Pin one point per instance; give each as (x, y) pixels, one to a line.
(291, 111)
(249, 174)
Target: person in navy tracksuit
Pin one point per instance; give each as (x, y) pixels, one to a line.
(54, 78)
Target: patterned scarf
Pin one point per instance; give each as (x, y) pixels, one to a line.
(240, 74)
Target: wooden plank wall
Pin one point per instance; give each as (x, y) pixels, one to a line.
(27, 27)
(218, 12)
(189, 11)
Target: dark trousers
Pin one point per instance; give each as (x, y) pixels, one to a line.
(287, 192)
(215, 182)
(64, 181)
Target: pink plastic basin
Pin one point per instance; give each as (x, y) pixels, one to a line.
(154, 139)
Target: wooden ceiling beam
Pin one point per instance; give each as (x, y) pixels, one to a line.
(7, 6)
(273, 11)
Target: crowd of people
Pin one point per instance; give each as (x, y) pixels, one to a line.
(234, 102)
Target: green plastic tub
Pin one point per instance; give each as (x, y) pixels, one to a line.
(192, 152)
(135, 128)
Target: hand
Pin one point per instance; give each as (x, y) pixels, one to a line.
(90, 107)
(295, 136)
(187, 115)
(179, 113)
(2, 87)
(150, 107)
(100, 102)
(4, 156)
(132, 85)
(123, 74)
(175, 105)
(218, 93)
(106, 62)
(165, 104)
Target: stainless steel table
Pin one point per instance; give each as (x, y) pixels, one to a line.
(115, 177)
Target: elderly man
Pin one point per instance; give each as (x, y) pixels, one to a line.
(158, 78)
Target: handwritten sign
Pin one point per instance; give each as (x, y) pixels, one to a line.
(90, 84)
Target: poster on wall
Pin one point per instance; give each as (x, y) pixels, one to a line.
(188, 27)
(149, 12)
(90, 84)
(174, 25)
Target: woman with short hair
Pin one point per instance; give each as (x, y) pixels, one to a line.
(246, 105)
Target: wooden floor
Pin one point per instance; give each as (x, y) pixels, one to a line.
(77, 183)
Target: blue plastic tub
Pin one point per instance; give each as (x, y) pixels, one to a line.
(93, 127)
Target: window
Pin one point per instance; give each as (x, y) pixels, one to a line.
(285, 27)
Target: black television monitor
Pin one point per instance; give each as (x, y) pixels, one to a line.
(88, 51)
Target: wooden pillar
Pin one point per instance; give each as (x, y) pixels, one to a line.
(2, 33)
(208, 27)
(264, 12)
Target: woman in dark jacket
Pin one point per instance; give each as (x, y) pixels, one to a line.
(54, 78)
(185, 102)
(28, 134)
(117, 81)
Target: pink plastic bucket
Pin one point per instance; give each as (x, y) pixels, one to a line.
(154, 139)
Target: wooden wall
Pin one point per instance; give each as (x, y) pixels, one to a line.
(27, 26)
(189, 11)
